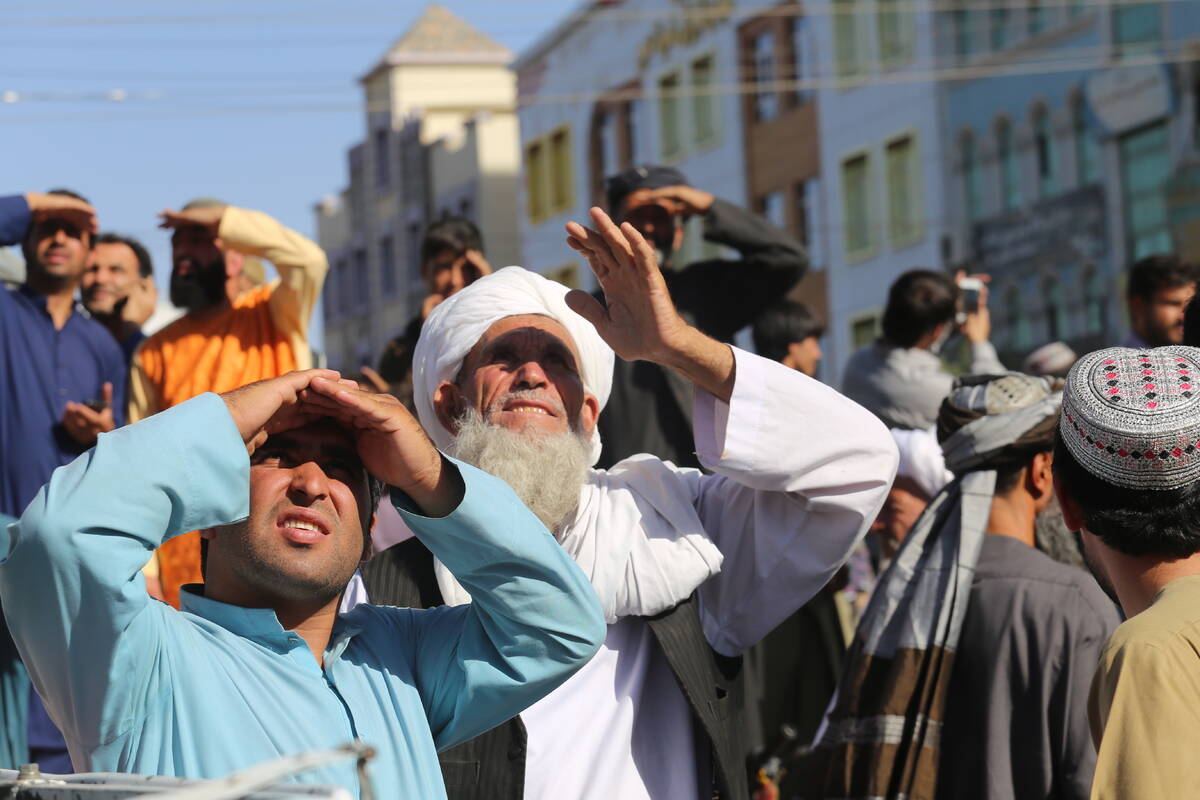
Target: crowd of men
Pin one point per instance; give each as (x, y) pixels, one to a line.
(569, 545)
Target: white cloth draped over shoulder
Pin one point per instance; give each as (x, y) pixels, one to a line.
(798, 477)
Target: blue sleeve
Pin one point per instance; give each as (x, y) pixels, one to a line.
(534, 620)
(14, 219)
(70, 569)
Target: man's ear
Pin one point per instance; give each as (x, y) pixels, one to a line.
(589, 414)
(234, 261)
(1040, 475)
(1072, 513)
(449, 405)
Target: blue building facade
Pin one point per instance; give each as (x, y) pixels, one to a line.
(1064, 125)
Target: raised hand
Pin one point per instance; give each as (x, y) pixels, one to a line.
(391, 443)
(274, 405)
(641, 321)
(84, 423)
(139, 305)
(61, 206)
(207, 217)
(686, 200)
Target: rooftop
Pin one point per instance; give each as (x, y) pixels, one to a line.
(439, 36)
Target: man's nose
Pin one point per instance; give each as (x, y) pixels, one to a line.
(309, 482)
(61, 236)
(531, 375)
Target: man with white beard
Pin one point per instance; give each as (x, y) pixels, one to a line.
(511, 374)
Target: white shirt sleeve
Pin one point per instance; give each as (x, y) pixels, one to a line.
(800, 473)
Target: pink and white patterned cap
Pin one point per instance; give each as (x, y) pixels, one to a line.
(1132, 417)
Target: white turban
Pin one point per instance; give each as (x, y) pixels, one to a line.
(457, 324)
(921, 460)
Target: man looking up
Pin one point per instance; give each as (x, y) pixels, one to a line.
(118, 289)
(283, 476)
(789, 333)
(512, 374)
(899, 377)
(984, 698)
(1127, 473)
(62, 382)
(1160, 288)
(232, 333)
(650, 407)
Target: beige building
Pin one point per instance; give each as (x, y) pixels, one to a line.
(441, 140)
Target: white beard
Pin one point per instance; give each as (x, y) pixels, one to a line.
(546, 471)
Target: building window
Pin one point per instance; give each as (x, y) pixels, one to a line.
(895, 24)
(904, 213)
(864, 330)
(703, 103)
(998, 30)
(797, 29)
(963, 20)
(1035, 17)
(1135, 24)
(773, 208)
(1020, 337)
(362, 278)
(972, 178)
(845, 38)
(1145, 168)
(670, 133)
(1087, 149)
(1093, 300)
(766, 101)
(1043, 142)
(857, 205)
(1006, 159)
(535, 180)
(1076, 7)
(561, 175)
(412, 250)
(387, 265)
(383, 163)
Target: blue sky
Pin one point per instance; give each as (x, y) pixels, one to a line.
(253, 101)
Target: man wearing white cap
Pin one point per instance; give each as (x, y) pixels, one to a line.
(691, 569)
(1127, 474)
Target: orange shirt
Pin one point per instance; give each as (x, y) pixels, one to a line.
(216, 353)
(263, 335)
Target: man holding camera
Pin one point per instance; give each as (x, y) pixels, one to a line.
(900, 377)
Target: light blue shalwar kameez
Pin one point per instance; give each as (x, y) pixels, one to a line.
(137, 686)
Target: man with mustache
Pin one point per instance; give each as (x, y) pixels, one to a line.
(118, 288)
(62, 381)
(233, 333)
(511, 374)
(283, 477)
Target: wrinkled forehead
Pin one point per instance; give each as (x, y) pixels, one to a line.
(532, 333)
(324, 440)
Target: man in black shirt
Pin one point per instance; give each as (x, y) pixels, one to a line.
(650, 410)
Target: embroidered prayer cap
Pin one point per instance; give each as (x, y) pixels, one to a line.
(456, 325)
(1132, 417)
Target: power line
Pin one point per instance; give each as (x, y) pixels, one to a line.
(613, 13)
(740, 88)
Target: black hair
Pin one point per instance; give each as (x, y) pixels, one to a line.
(69, 193)
(145, 265)
(918, 302)
(1136, 522)
(644, 176)
(1191, 324)
(782, 324)
(456, 234)
(1159, 271)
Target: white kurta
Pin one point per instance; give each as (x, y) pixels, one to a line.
(799, 474)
